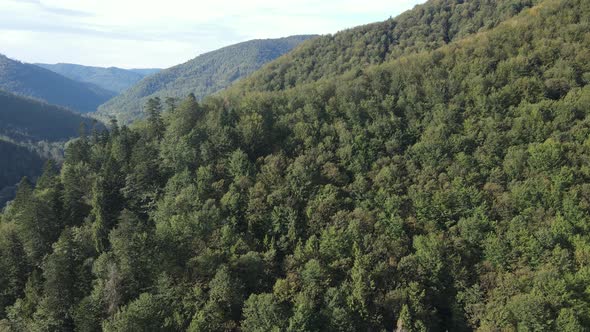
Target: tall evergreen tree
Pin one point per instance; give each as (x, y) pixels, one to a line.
(153, 109)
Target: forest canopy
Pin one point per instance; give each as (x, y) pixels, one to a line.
(443, 188)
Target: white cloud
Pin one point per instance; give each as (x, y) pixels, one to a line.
(147, 33)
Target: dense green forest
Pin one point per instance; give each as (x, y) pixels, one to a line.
(201, 76)
(427, 27)
(444, 188)
(112, 79)
(33, 81)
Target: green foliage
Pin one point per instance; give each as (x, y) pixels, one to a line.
(155, 128)
(438, 190)
(107, 201)
(426, 27)
(263, 313)
(14, 265)
(36, 214)
(67, 275)
(144, 314)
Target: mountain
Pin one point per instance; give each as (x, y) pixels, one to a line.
(111, 79)
(26, 119)
(145, 71)
(427, 27)
(33, 81)
(17, 161)
(203, 75)
(444, 189)
(32, 132)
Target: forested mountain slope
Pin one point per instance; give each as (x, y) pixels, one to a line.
(26, 119)
(31, 132)
(112, 79)
(446, 190)
(17, 161)
(145, 71)
(427, 27)
(33, 81)
(203, 75)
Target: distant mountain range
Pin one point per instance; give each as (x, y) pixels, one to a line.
(39, 83)
(112, 79)
(145, 71)
(203, 75)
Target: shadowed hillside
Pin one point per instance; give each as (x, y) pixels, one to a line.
(36, 82)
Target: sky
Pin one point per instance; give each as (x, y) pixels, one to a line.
(160, 34)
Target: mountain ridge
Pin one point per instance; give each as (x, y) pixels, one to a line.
(109, 78)
(426, 27)
(202, 75)
(33, 81)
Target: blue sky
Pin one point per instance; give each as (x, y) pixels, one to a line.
(150, 33)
